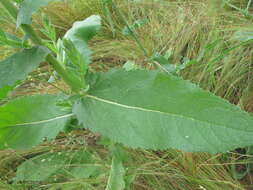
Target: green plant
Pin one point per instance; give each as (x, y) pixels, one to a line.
(140, 108)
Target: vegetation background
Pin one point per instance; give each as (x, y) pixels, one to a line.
(210, 34)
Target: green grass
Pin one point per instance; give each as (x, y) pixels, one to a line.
(194, 29)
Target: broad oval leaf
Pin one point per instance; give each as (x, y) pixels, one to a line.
(81, 32)
(24, 122)
(17, 66)
(27, 8)
(154, 110)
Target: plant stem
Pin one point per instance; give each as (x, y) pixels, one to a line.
(74, 84)
(131, 31)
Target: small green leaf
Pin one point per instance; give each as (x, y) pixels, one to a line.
(164, 61)
(137, 24)
(7, 39)
(116, 178)
(75, 64)
(17, 66)
(186, 63)
(27, 8)
(26, 121)
(155, 110)
(130, 65)
(160, 58)
(81, 32)
(168, 54)
(48, 30)
(107, 12)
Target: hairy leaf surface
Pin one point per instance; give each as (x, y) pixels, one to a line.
(155, 110)
(81, 32)
(17, 66)
(27, 8)
(24, 122)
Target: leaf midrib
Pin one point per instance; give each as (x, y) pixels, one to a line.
(155, 111)
(38, 122)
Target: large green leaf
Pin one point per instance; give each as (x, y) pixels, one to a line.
(155, 110)
(50, 166)
(17, 66)
(24, 122)
(27, 8)
(81, 32)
